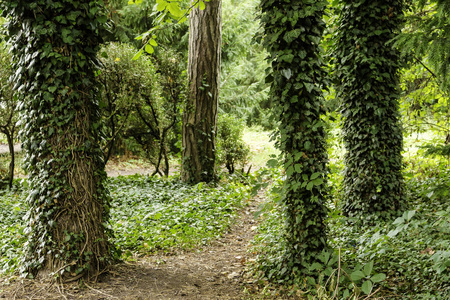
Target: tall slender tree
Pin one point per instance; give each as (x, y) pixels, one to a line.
(54, 45)
(200, 113)
(292, 36)
(367, 68)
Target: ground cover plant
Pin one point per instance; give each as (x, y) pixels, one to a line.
(404, 257)
(148, 215)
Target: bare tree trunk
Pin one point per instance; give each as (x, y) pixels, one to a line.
(200, 114)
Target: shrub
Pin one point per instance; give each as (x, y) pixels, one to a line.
(231, 148)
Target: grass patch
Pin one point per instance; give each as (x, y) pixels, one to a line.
(261, 147)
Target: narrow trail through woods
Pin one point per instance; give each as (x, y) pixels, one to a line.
(213, 272)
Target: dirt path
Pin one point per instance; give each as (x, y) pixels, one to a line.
(214, 272)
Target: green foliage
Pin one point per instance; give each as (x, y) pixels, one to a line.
(54, 46)
(151, 215)
(141, 102)
(12, 226)
(424, 105)
(425, 37)
(8, 113)
(243, 91)
(407, 257)
(439, 150)
(292, 34)
(231, 148)
(367, 75)
(168, 15)
(148, 215)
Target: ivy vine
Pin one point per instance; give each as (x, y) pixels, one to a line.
(54, 46)
(367, 71)
(292, 35)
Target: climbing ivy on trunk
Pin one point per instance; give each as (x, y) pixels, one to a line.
(367, 70)
(54, 45)
(292, 36)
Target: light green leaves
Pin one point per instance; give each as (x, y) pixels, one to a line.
(357, 275)
(367, 287)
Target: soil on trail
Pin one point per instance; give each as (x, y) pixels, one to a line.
(213, 272)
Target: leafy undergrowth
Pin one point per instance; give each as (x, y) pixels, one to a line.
(151, 214)
(12, 225)
(148, 215)
(407, 257)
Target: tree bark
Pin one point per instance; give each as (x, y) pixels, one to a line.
(68, 215)
(200, 114)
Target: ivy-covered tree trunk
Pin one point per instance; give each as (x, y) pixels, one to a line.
(293, 31)
(367, 67)
(200, 114)
(54, 45)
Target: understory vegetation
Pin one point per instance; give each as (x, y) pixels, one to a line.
(148, 215)
(328, 228)
(404, 257)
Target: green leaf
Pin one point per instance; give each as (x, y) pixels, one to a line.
(137, 55)
(357, 275)
(310, 185)
(378, 277)
(161, 6)
(201, 5)
(307, 145)
(153, 43)
(317, 181)
(175, 10)
(410, 214)
(368, 268)
(315, 266)
(286, 73)
(149, 49)
(367, 287)
(315, 175)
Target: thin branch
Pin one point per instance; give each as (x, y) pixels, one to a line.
(423, 65)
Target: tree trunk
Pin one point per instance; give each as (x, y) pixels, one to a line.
(368, 72)
(54, 44)
(293, 31)
(200, 114)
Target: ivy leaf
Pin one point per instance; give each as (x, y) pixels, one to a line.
(309, 86)
(286, 73)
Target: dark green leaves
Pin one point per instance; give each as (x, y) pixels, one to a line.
(367, 70)
(293, 32)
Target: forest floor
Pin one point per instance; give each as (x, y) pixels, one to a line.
(216, 271)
